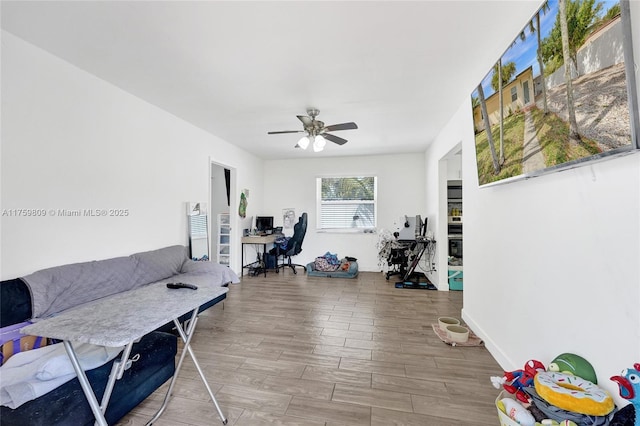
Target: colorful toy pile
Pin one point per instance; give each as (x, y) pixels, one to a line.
(567, 393)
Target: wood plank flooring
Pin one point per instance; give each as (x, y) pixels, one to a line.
(296, 350)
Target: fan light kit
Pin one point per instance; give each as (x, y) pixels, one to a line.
(316, 131)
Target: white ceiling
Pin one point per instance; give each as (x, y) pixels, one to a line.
(239, 69)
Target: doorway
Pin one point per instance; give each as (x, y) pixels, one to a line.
(222, 184)
(449, 213)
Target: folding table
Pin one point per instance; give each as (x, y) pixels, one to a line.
(121, 319)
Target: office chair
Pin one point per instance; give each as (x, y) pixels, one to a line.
(398, 260)
(294, 245)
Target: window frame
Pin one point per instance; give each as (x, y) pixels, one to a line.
(320, 203)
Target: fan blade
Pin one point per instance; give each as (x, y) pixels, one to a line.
(305, 120)
(343, 126)
(334, 139)
(285, 131)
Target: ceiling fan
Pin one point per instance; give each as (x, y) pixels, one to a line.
(316, 131)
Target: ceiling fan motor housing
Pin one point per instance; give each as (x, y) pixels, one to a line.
(315, 127)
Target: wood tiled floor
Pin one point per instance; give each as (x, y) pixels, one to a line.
(296, 350)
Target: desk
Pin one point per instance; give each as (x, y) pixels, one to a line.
(121, 319)
(422, 244)
(406, 254)
(257, 240)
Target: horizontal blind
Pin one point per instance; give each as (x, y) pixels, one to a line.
(198, 226)
(347, 215)
(347, 203)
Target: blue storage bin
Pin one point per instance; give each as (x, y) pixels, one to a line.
(455, 279)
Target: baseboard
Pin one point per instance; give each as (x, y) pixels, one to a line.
(498, 354)
(370, 268)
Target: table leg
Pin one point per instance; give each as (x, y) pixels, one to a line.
(206, 384)
(186, 338)
(117, 370)
(264, 259)
(86, 386)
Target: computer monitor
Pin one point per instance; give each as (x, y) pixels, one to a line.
(422, 224)
(264, 223)
(412, 228)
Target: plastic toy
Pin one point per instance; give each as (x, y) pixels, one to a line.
(629, 384)
(514, 381)
(517, 412)
(573, 364)
(572, 393)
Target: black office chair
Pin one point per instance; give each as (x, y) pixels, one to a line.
(294, 245)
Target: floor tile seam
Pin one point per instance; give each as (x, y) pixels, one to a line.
(236, 386)
(371, 388)
(371, 404)
(311, 417)
(310, 383)
(243, 367)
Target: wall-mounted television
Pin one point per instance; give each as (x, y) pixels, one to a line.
(544, 116)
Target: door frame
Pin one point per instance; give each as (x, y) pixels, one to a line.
(442, 231)
(233, 219)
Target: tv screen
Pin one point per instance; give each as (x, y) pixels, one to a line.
(537, 111)
(264, 223)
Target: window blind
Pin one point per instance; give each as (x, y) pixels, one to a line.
(347, 202)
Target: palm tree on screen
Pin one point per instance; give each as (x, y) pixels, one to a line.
(487, 129)
(543, 82)
(501, 76)
(574, 136)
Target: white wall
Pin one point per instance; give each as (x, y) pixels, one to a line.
(454, 167)
(292, 183)
(72, 141)
(551, 263)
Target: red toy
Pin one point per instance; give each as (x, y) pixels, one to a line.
(514, 381)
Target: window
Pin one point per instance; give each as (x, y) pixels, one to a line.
(346, 203)
(514, 94)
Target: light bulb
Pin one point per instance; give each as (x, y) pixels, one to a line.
(303, 142)
(319, 143)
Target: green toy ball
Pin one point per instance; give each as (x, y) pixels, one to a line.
(574, 364)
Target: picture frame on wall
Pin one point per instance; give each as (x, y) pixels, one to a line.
(545, 116)
(288, 218)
